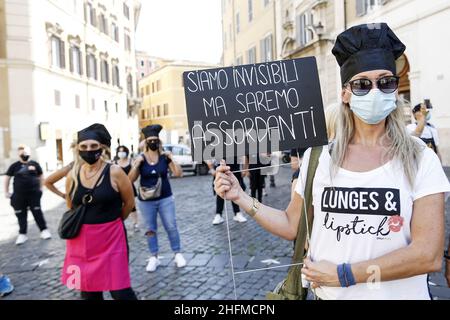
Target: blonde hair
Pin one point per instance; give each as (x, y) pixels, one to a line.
(331, 115)
(78, 163)
(402, 146)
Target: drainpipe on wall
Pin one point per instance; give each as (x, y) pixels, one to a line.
(275, 56)
(345, 14)
(234, 31)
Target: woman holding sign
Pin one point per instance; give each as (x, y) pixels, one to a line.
(378, 193)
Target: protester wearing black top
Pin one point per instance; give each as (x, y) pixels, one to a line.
(123, 160)
(27, 193)
(153, 167)
(100, 250)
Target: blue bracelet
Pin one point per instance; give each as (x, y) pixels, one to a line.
(341, 276)
(349, 275)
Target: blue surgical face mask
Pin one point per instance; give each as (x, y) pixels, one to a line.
(374, 106)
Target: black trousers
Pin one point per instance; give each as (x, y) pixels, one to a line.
(21, 202)
(124, 294)
(220, 204)
(257, 183)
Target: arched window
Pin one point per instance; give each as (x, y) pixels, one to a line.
(116, 76)
(104, 71)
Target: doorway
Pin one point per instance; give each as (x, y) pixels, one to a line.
(59, 153)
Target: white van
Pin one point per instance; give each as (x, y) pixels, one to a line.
(182, 155)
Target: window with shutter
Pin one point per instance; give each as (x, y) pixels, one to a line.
(93, 17)
(55, 48)
(304, 34)
(251, 55)
(62, 54)
(130, 84)
(71, 60)
(104, 71)
(116, 76)
(75, 60)
(262, 49)
(80, 62)
(91, 66)
(269, 48)
(303, 30)
(88, 68)
(126, 11)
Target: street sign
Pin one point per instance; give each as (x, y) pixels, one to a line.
(254, 109)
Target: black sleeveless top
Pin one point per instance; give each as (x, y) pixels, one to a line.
(106, 205)
(126, 169)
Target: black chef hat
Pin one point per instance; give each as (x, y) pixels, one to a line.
(416, 108)
(96, 132)
(152, 130)
(367, 47)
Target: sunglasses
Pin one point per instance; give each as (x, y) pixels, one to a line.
(361, 87)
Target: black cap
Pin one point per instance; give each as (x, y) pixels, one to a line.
(367, 47)
(416, 108)
(152, 130)
(96, 132)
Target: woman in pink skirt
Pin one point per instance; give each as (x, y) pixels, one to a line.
(97, 259)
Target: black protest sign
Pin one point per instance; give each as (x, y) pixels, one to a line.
(255, 108)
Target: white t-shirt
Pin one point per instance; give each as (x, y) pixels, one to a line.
(367, 215)
(429, 132)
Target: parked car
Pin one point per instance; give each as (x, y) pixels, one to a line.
(182, 155)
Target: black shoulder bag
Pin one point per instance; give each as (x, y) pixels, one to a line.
(72, 220)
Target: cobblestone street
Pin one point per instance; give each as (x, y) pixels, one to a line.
(34, 267)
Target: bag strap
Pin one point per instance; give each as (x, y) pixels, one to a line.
(293, 286)
(303, 232)
(96, 183)
(101, 176)
(99, 179)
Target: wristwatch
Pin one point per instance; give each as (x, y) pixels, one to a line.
(446, 256)
(255, 207)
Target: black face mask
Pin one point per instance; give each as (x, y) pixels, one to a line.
(153, 145)
(91, 157)
(24, 157)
